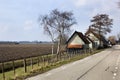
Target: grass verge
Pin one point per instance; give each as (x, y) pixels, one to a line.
(41, 69)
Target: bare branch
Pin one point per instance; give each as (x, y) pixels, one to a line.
(57, 23)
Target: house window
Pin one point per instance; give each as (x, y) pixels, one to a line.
(95, 44)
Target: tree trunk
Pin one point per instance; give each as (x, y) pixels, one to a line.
(58, 48)
(52, 48)
(59, 44)
(100, 36)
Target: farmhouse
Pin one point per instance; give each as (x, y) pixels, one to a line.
(77, 42)
(96, 39)
(91, 43)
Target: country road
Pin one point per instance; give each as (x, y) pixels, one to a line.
(101, 66)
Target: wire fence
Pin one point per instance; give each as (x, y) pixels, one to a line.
(29, 64)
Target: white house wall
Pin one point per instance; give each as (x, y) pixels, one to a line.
(76, 40)
(90, 46)
(93, 37)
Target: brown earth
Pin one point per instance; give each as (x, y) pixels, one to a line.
(20, 51)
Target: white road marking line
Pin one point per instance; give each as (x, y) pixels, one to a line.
(74, 63)
(116, 67)
(115, 70)
(63, 67)
(77, 62)
(115, 74)
(118, 60)
(87, 58)
(48, 74)
(113, 77)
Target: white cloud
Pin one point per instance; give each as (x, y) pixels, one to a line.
(28, 25)
(93, 7)
(3, 28)
(79, 3)
(108, 7)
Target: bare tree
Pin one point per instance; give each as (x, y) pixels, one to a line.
(56, 24)
(45, 21)
(101, 24)
(118, 37)
(112, 39)
(119, 4)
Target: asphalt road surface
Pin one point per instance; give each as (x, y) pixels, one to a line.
(101, 66)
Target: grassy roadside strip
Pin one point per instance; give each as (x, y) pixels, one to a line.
(43, 67)
(52, 66)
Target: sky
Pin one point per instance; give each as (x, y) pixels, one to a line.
(19, 18)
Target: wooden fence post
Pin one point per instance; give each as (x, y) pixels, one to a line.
(43, 60)
(84, 51)
(31, 63)
(47, 59)
(38, 61)
(57, 57)
(69, 56)
(13, 66)
(54, 59)
(3, 70)
(60, 56)
(25, 65)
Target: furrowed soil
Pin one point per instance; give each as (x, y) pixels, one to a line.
(10, 52)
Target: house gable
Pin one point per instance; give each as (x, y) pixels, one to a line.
(93, 37)
(76, 40)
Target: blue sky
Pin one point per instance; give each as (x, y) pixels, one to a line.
(19, 18)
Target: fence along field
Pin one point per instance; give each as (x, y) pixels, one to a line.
(28, 58)
(14, 52)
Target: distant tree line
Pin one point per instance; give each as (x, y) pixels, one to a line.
(8, 42)
(25, 42)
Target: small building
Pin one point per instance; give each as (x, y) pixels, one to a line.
(96, 38)
(91, 43)
(77, 42)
